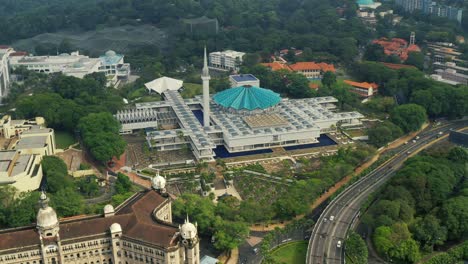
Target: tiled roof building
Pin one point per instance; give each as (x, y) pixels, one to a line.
(309, 69)
(138, 231)
(397, 46)
(364, 89)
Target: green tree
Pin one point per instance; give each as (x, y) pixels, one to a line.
(88, 186)
(199, 209)
(356, 248)
(22, 211)
(67, 202)
(454, 213)
(122, 184)
(374, 52)
(409, 117)
(100, 133)
(329, 78)
(229, 235)
(383, 133)
(429, 232)
(416, 59)
(56, 173)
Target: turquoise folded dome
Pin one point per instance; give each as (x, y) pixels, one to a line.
(247, 98)
(365, 2)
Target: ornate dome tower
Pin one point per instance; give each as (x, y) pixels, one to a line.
(47, 222)
(190, 241)
(158, 183)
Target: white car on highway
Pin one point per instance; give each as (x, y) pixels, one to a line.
(338, 245)
(332, 217)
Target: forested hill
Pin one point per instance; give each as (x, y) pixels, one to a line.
(26, 18)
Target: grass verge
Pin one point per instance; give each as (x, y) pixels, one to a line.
(291, 253)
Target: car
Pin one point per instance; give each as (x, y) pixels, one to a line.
(406, 142)
(332, 217)
(409, 152)
(414, 140)
(440, 133)
(255, 250)
(338, 245)
(417, 137)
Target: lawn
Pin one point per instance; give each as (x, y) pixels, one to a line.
(64, 139)
(292, 253)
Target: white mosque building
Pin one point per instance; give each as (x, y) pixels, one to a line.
(240, 119)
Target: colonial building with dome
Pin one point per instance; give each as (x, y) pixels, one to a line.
(239, 119)
(138, 231)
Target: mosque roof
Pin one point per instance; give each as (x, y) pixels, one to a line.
(365, 2)
(163, 84)
(247, 98)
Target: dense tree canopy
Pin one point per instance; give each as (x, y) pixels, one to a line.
(422, 207)
(227, 233)
(100, 133)
(409, 117)
(356, 249)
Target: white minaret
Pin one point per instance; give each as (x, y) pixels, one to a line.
(412, 38)
(206, 92)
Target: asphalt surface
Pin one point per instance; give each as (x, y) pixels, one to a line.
(337, 218)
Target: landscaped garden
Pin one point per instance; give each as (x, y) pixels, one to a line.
(292, 253)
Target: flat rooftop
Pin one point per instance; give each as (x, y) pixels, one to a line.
(243, 77)
(32, 142)
(36, 129)
(21, 164)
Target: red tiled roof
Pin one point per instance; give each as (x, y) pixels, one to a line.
(20, 238)
(395, 66)
(301, 66)
(135, 218)
(413, 48)
(396, 46)
(327, 67)
(4, 47)
(313, 86)
(276, 66)
(363, 85)
(19, 53)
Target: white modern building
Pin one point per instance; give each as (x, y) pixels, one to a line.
(244, 80)
(5, 51)
(77, 65)
(138, 231)
(244, 118)
(228, 60)
(25, 143)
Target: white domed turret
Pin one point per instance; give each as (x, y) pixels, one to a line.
(158, 182)
(109, 210)
(115, 228)
(110, 53)
(46, 222)
(188, 230)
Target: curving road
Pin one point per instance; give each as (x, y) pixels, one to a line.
(338, 217)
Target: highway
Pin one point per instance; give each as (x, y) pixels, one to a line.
(345, 208)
